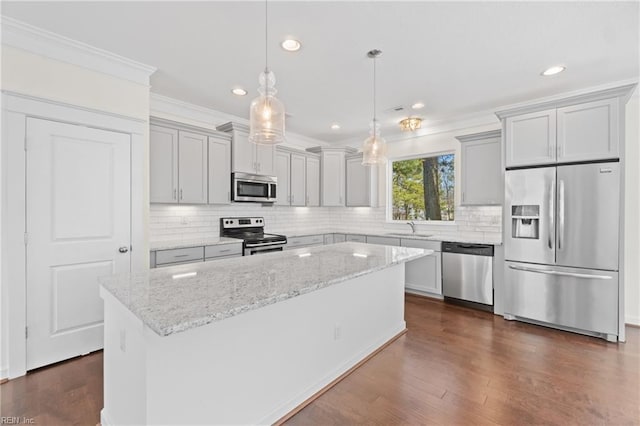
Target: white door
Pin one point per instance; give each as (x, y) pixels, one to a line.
(297, 180)
(192, 168)
(219, 171)
(78, 217)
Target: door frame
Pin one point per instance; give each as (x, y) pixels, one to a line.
(16, 108)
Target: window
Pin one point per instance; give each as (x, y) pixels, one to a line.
(423, 188)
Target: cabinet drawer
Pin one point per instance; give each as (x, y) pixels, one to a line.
(429, 245)
(307, 240)
(385, 241)
(191, 254)
(223, 250)
(356, 238)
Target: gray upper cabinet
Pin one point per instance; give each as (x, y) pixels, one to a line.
(332, 175)
(588, 131)
(283, 163)
(362, 183)
(163, 164)
(246, 156)
(192, 168)
(188, 164)
(531, 138)
(219, 170)
(291, 173)
(313, 180)
(481, 169)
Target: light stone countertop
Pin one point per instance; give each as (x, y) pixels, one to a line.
(458, 237)
(197, 242)
(174, 299)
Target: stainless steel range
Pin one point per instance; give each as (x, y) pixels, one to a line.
(251, 231)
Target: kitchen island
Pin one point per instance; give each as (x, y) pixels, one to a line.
(246, 340)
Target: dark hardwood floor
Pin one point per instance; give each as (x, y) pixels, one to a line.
(454, 366)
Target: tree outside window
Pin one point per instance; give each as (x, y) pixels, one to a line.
(423, 188)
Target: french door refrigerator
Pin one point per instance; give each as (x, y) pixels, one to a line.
(561, 247)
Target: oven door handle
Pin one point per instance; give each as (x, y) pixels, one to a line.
(263, 244)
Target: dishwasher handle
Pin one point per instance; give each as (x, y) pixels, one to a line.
(468, 248)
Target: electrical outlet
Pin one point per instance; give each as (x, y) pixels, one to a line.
(337, 332)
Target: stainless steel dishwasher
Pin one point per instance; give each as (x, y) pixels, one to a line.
(467, 273)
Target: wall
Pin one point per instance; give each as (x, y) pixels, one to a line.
(632, 207)
(36, 76)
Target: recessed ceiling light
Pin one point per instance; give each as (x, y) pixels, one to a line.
(417, 105)
(335, 126)
(238, 91)
(291, 45)
(553, 70)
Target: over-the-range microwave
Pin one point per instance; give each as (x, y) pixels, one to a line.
(253, 188)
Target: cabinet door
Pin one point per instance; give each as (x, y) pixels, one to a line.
(265, 160)
(163, 165)
(297, 180)
(219, 171)
(313, 181)
(192, 168)
(358, 180)
(425, 274)
(283, 165)
(243, 153)
(481, 172)
(333, 186)
(588, 131)
(531, 139)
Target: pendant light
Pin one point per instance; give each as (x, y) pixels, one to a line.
(266, 114)
(374, 148)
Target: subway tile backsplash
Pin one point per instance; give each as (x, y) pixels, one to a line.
(180, 222)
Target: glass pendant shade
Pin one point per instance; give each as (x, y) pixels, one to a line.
(266, 114)
(374, 148)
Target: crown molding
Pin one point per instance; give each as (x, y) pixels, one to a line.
(45, 43)
(174, 109)
(621, 89)
(480, 136)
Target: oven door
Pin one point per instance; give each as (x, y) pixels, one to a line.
(253, 188)
(250, 251)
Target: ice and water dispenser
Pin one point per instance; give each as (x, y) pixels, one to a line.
(525, 221)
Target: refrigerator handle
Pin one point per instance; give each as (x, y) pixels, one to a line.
(552, 209)
(561, 215)
(560, 273)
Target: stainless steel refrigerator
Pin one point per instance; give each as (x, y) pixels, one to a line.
(561, 247)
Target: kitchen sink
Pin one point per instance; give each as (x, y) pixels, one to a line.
(409, 234)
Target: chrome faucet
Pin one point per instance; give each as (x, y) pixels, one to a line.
(413, 227)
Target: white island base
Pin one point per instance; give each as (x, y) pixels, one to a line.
(253, 368)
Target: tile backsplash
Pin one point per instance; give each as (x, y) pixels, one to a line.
(178, 222)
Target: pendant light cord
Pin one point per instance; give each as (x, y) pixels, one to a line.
(374, 88)
(266, 35)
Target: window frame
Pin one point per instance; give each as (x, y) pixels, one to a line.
(389, 189)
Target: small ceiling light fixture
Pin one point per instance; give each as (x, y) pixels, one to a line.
(291, 45)
(410, 124)
(238, 91)
(335, 126)
(266, 114)
(556, 69)
(417, 105)
(374, 148)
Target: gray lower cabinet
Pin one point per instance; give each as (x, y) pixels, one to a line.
(305, 241)
(180, 256)
(334, 238)
(357, 238)
(424, 275)
(384, 241)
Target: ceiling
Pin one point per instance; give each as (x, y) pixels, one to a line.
(458, 58)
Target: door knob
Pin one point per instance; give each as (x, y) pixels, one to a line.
(123, 249)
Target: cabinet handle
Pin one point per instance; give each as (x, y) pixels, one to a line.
(292, 199)
(175, 193)
(180, 193)
(228, 196)
(258, 166)
(462, 195)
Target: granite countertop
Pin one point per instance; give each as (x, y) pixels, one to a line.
(175, 244)
(174, 299)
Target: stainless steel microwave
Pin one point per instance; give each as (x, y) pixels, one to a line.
(253, 188)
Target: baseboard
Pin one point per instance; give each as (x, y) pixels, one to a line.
(632, 321)
(293, 406)
(4, 375)
(104, 419)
